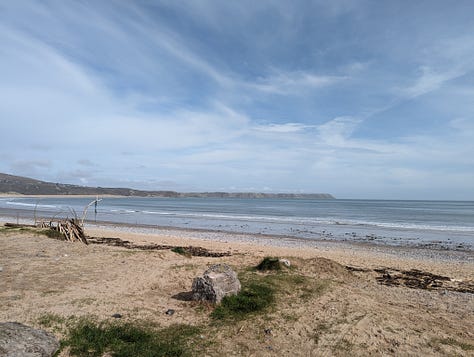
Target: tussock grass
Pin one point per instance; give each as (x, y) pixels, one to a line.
(255, 297)
(51, 320)
(261, 292)
(182, 251)
(269, 263)
(50, 233)
(89, 338)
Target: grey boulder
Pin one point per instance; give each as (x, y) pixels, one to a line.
(18, 340)
(217, 281)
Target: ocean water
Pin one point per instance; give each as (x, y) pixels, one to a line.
(445, 224)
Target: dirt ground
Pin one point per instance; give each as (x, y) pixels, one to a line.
(349, 313)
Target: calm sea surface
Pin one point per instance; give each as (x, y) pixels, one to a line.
(443, 223)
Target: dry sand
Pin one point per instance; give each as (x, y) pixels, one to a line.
(352, 314)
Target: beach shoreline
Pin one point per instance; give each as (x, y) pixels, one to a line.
(367, 255)
(51, 279)
(364, 255)
(372, 240)
(443, 226)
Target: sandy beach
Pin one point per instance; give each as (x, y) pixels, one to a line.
(342, 309)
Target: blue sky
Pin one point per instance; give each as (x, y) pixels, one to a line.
(360, 99)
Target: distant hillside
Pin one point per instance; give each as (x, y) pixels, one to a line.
(26, 186)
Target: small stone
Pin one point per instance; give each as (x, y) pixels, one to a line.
(1, 269)
(169, 312)
(117, 316)
(285, 262)
(268, 331)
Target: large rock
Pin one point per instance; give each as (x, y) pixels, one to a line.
(217, 281)
(17, 340)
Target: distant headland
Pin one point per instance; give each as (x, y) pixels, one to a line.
(10, 184)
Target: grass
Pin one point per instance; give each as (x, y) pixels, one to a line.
(261, 291)
(253, 298)
(260, 294)
(87, 301)
(455, 343)
(51, 320)
(181, 250)
(50, 233)
(269, 263)
(4, 229)
(187, 267)
(89, 338)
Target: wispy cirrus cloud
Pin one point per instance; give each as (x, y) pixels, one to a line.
(294, 82)
(430, 80)
(335, 97)
(282, 128)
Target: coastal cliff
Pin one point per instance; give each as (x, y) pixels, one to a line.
(10, 184)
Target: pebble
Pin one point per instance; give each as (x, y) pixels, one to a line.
(117, 316)
(407, 249)
(169, 312)
(1, 269)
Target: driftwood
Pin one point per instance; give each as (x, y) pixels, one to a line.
(70, 229)
(19, 225)
(191, 250)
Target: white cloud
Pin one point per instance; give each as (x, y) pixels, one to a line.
(465, 126)
(283, 128)
(293, 82)
(430, 80)
(336, 131)
(98, 81)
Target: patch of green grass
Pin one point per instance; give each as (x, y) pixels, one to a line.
(452, 342)
(186, 267)
(261, 291)
(56, 323)
(51, 320)
(89, 338)
(51, 233)
(181, 250)
(254, 297)
(4, 229)
(269, 263)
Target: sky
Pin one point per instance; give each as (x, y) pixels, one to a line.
(359, 99)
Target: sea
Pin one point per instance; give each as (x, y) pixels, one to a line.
(436, 224)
